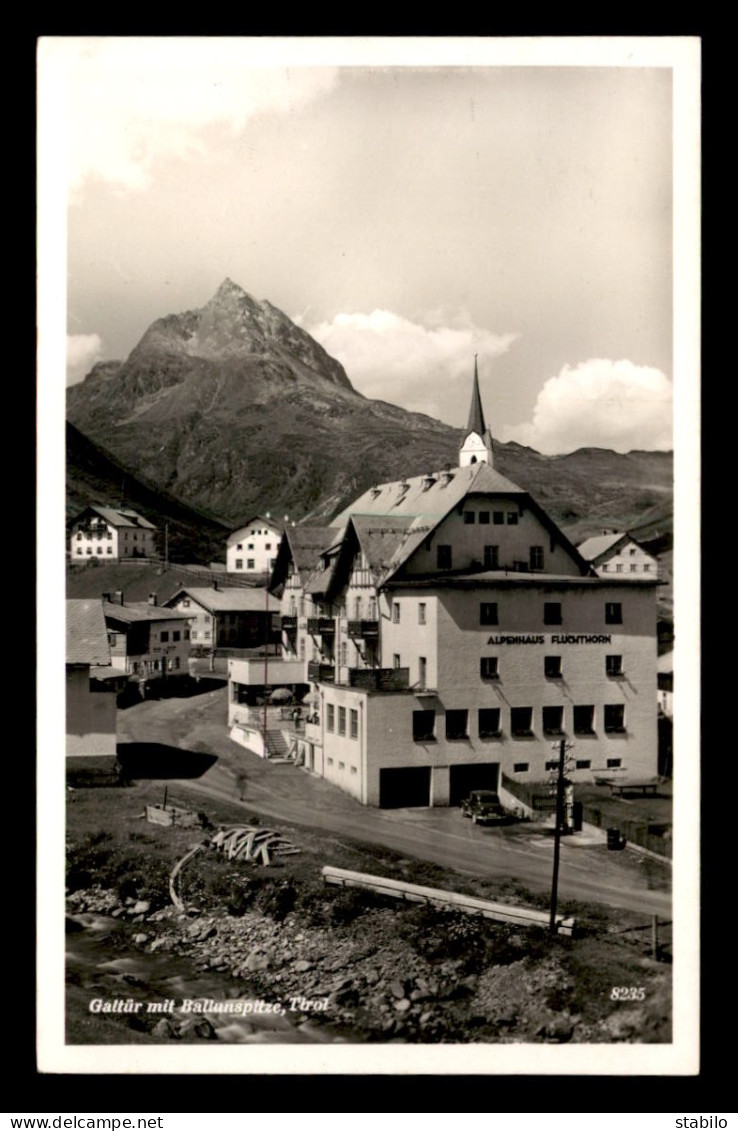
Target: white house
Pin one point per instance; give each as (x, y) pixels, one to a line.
(252, 548)
(453, 636)
(614, 553)
(111, 533)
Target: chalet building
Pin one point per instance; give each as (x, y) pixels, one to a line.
(228, 616)
(252, 548)
(91, 684)
(111, 533)
(149, 644)
(451, 636)
(613, 553)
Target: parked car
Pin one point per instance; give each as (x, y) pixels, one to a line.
(484, 808)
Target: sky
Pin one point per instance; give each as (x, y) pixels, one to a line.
(409, 209)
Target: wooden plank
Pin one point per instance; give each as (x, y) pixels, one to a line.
(399, 889)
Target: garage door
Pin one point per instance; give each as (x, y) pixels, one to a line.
(404, 787)
(472, 775)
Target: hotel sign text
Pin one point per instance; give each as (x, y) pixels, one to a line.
(580, 638)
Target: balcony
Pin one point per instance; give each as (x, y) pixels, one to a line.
(320, 673)
(380, 679)
(289, 624)
(364, 629)
(321, 626)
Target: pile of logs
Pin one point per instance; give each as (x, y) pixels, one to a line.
(245, 843)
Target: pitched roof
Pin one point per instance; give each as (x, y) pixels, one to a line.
(87, 638)
(234, 599)
(119, 516)
(380, 539)
(591, 548)
(140, 611)
(429, 498)
(277, 527)
(476, 415)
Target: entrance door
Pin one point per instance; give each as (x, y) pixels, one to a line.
(472, 775)
(405, 787)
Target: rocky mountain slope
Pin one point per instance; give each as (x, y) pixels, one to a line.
(236, 409)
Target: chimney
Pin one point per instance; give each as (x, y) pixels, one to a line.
(153, 600)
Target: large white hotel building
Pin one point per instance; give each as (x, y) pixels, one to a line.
(451, 634)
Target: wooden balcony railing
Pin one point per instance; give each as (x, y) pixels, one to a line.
(365, 629)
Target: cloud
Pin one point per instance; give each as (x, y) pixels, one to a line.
(83, 350)
(132, 101)
(603, 404)
(415, 365)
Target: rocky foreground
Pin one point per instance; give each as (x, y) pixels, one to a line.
(348, 966)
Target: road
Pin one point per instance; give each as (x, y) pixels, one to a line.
(287, 793)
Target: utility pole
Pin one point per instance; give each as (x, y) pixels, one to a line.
(166, 545)
(560, 785)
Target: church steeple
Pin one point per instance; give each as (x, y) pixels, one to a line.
(477, 445)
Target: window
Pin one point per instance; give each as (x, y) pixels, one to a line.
(488, 668)
(489, 722)
(614, 665)
(110, 549)
(443, 557)
(79, 537)
(175, 663)
(354, 723)
(520, 767)
(512, 518)
(491, 557)
(342, 765)
(632, 552)
(634, 569)
(613, 612)
(614, 763)
(267, 545)
(584, 720)
(421, 613)
(552, 612)
(521, 722)
(395, 612)
(614, 718)
(552, 667)
(583, 763)
(396, 661)
(250, 563)
(424, 726)
(239, 563)
(79, 550)
(498, 518)
(353, 770)
(605, 568)
(164, 637)
(553, 720)
(187, 634)
(330, 719)
(456, 724)
(646, 568)
(112, 639)
(98, 549)
(186, 603)
(250, 545)
(488, 612)
(341, 720)
(302, 648)
(239, 546)
(329, 761)
(536, 557)
(422, 669)
(484, 518)
(619, 568)
(552, 765)
(344, 653)
(176, 635)
(206, 634)
(469, 518)
(109, 534)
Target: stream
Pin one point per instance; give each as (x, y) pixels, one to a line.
(140, 989)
